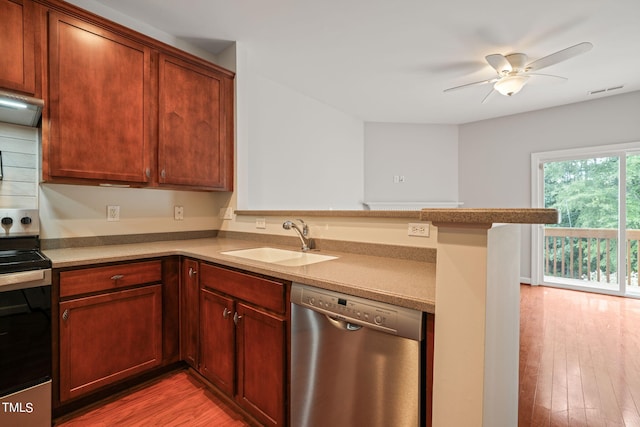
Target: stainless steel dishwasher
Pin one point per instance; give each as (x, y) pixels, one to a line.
(355, 362)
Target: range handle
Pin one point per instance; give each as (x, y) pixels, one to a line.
(25, 279)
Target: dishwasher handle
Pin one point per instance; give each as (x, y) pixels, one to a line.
(343, 324)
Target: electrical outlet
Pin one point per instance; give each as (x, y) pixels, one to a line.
(227, 213)
(261, 223)
(178, 213)
(418, 229)
(113, 213)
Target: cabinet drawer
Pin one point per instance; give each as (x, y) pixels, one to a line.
(97, 279)
(263, 292)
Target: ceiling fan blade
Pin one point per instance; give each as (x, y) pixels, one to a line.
(547, 75)
(561, 55)
(482, 82)
(499, 63)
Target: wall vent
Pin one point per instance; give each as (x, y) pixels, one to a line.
(609, 89)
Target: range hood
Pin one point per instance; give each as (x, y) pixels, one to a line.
(20, 109)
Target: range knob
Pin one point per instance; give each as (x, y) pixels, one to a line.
(7, 220)
(25, 220)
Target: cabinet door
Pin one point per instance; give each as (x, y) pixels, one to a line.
(17, 58)
(262, 364)
(217, 353)
(189, 320)
(195, 125)
(100, 104)
(108, 337)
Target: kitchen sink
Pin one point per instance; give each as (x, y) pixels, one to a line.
(280, 256)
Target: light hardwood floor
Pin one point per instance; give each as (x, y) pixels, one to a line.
(579, 359)
(579, 366)
(176, 399)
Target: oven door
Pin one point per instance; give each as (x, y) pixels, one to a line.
(25, 347)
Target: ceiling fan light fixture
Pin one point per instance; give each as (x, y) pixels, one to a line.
(510, 85)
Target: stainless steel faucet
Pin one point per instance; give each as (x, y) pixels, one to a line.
(307, 242)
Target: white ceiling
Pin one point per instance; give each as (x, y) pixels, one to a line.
(390, 60)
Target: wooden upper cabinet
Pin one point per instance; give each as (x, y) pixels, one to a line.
(99, 102)
(123, 108)
(17, 54)
(195, 142)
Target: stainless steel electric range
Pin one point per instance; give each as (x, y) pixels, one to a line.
(25, 322)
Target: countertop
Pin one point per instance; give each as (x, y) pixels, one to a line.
(490, 216)
(401, 282)
(443, 216)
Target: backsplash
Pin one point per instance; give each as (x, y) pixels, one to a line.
(19, 160)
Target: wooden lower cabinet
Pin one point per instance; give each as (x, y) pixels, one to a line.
(112, 323)
(430, 336)
(108, 337)
(217, 340)
(243, 347)
(261, 364)
(189, 312)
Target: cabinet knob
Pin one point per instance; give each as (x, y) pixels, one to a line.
(65, 314)
(163, 174)
(236, 318)
(117, 276)
(226, 312)
(147, 172)
(192, 272)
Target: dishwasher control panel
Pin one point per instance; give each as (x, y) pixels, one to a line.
(344, 307)
(356, 310)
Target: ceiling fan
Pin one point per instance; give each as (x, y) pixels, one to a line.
(514, 70)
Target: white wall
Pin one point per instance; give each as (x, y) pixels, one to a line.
(81, 211)
(302, 154)
(425, 155)
(390, 231)
(495, 155)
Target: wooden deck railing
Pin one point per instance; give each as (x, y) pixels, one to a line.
(589, 254)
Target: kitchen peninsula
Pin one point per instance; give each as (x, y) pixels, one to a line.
(477, 308)
(477, 326)
(470, 282)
